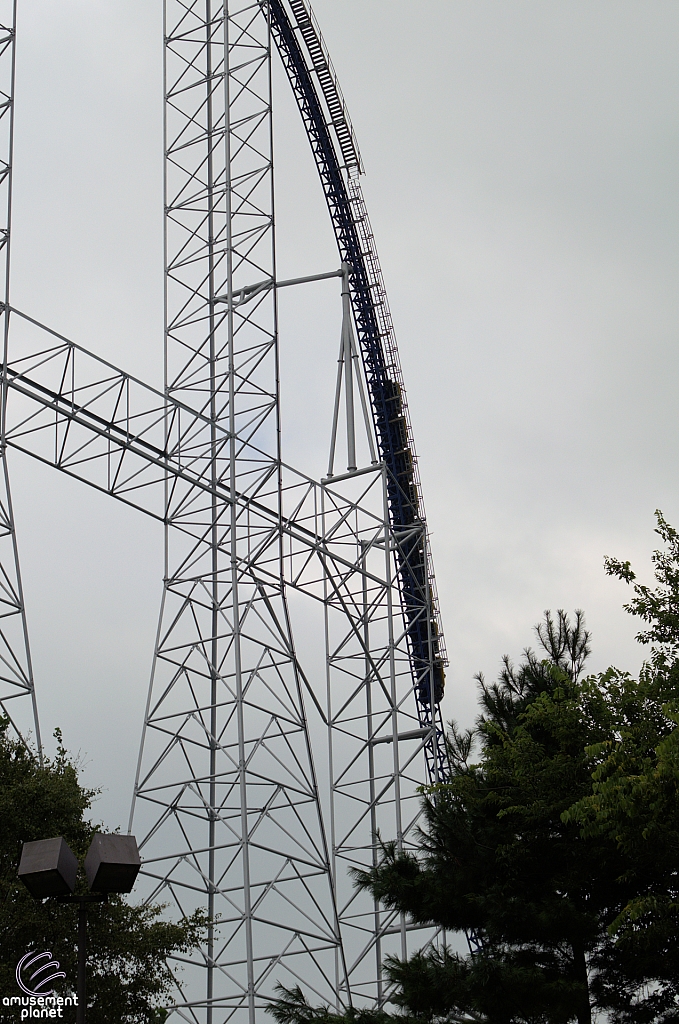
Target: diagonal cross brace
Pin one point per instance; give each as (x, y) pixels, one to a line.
(90, 419)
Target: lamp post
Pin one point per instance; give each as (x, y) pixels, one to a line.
(49, 868)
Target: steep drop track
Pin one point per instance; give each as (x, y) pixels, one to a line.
(334, 147)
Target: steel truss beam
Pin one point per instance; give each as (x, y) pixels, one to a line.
(78, 413)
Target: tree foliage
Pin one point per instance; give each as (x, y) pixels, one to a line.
(554, 842)
(127, 945)
(497, 859)
(635, 794)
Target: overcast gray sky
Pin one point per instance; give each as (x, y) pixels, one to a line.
(521, 160)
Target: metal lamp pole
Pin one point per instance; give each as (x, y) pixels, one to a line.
(81, 1009)
(49, 868)
(82, 901)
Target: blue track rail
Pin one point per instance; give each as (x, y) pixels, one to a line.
(387, 397)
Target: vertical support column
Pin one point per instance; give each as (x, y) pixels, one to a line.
(393, 688)
(348, 357)
(376, 741)
(81, 1011)
(226, 795)
(212, 259)
(16, 670)
(372, 792)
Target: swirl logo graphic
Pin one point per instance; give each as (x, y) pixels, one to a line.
(39, 975)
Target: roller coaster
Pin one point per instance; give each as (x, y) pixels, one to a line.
(230, 806)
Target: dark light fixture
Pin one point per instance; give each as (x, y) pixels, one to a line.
(49, 867)
(112, 863)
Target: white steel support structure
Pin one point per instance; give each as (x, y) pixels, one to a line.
(244, 806)
(376, 742)
(226, 771)
(16, 670)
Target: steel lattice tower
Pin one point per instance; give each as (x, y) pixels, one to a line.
(258, 785)
(16, 671)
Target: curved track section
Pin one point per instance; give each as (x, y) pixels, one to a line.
(332, 140)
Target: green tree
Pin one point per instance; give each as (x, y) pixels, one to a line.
(554, 844)
(498, 861)
(635, 794)
(128, 945)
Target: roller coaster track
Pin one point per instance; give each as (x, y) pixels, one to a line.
(338, 160)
